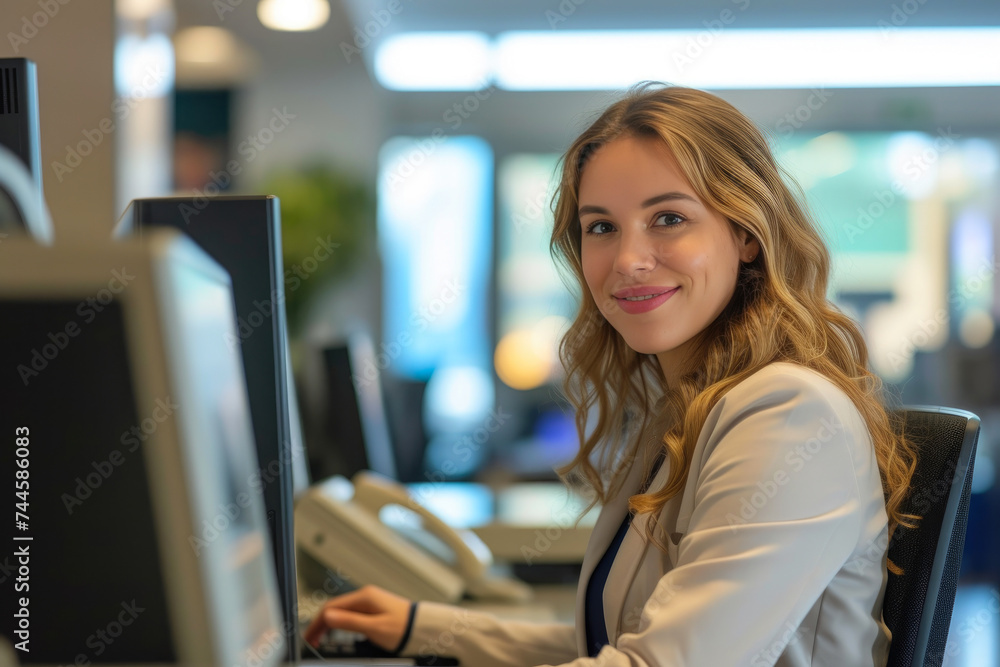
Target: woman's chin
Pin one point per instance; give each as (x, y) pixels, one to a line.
(644, 347)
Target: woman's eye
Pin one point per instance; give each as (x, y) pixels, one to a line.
(670, 219)
(599, 227)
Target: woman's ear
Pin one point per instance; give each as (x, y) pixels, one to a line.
(749, 246)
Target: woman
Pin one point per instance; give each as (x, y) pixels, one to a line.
(749, 474)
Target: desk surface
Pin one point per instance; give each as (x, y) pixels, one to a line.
(552, 603)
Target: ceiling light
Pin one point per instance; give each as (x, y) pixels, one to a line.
(435, 61)
(140, 10)
(725, 58)
(293, 15)
(205, 44)
(210, 56)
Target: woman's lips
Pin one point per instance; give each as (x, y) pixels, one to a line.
(646, 304)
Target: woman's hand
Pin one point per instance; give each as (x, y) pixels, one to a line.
(376, 613)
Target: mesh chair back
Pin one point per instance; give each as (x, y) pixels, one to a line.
(918, 604)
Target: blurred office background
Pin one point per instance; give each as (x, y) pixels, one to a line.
(415, 192)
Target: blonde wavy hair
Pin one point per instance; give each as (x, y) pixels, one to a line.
(779, 311)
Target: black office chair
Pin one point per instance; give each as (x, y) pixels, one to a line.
(918, 604)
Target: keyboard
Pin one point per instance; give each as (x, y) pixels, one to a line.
(340, 646)
(364, 650)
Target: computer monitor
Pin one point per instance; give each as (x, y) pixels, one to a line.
(22, 200)
(300, 463)
(354, 427)
(243, 234)
(141, 539)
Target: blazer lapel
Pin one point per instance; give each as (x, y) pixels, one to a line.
(626, 562)
(607, 525)
(628, 558)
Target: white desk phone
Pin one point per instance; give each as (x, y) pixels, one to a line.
(338, 524)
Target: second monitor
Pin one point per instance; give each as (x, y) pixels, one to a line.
(243, 234)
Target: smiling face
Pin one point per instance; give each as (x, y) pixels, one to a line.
(659, 263)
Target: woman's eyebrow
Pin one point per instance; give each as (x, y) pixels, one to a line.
(668, 196)
(652, 201)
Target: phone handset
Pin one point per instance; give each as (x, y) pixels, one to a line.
(375, 491)
(472, 557)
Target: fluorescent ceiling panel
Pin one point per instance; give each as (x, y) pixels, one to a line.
(435, 61)
(724, 59)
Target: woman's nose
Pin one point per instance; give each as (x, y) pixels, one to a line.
(635, 253)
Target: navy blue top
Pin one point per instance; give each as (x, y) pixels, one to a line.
(597, 634)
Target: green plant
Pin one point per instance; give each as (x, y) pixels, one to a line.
(327, 223)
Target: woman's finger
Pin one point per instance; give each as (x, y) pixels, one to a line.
(369, 610)
(317, 628)
(319, 625)
(343, 619)
(364, 599)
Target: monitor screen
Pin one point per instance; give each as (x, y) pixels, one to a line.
(243, 234)
(147, 535)
(22, 200)
(86, 491)
(300, 467)
(219, 439)
(355, 427)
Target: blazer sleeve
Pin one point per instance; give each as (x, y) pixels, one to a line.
(479, 639)
(776, 514)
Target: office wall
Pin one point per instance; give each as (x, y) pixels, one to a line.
(72, 41)
(336, 117)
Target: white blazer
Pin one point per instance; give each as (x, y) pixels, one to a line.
(776, 557)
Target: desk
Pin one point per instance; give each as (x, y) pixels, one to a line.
(535, 544)
(552, 603)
